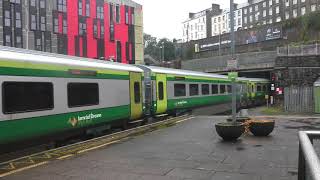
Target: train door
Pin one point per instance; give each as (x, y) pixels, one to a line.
(161, 93)
(135, 95)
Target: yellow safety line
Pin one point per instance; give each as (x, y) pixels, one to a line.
(72, 152)
(22, 169)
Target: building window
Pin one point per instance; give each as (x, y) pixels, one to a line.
(43, 23)
(62, 5)
(264, 4)
(18, 42)
(250, 18)
(277, 10)
(294, 2)
(33, 3)
(287, 3)
(64, 26)
(95, 29)
(8, 40)
(119, 53)
(128, 51)
(295, 13)
(102, 29)
(277, 1)
(270, 2)
(250, 9)
(302, 1)
(194, 89)
(20, 97)
(33, 22)
(100, 12)
(245, 11)
(18, 20)
(287, 15)
(55, 25)
(127, 15)
(83, 94)
(118, 13)
(270, 12)
(82, 28)
(303, 11)
(87, 8)
(245, 20)
(257, 8)
(313, 7)
(7, 18)
(42, 4)
(38, 44)
(80, 9)
(179, 90)
(264, 13)
(278, 19)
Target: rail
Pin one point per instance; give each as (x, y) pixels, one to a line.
(309, 163)
(302, 50)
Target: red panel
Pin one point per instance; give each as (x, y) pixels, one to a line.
(91, 42)
(72, 18)
(110, 47)
(121, 33)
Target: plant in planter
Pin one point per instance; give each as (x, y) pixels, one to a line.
(230, 131)
(260, 127)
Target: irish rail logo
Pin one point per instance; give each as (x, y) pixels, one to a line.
(74, 121)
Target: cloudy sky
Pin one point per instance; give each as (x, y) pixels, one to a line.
(163, 18)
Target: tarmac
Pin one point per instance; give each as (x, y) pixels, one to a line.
(190, 150)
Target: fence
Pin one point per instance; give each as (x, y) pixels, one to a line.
(309, 164)
(303, 50)
(298, 99)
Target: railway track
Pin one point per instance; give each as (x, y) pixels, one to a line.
(45, 157)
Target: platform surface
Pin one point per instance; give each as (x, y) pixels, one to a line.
(190, 150)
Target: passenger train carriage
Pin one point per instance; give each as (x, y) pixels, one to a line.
(50, 96)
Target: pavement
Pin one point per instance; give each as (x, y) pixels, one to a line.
(190, 150)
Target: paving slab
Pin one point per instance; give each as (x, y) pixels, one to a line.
(190, 150)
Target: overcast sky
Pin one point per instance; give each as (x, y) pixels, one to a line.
(163, 18)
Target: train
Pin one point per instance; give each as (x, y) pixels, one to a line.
(50, 96)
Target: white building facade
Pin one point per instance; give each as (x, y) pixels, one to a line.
(195, 27)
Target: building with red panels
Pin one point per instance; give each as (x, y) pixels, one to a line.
(110, 30)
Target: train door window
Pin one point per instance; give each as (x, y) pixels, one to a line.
(160, 89)
(179, 90)
(136, 92)
(229, 89)
(205, 89)
(194, 89)
(83, 94)
(259, 88)
(222, 89)
(215, 88)
(19, 97)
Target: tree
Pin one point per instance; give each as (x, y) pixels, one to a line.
(156, 48)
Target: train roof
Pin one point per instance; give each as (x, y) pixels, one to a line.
(22, 55)
(181, 72)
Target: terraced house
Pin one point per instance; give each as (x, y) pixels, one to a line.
(110, 30)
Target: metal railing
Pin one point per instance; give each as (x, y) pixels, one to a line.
(309, 163)
(302, 50)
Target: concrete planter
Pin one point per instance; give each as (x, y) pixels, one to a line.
(229, 131)
(261, 128)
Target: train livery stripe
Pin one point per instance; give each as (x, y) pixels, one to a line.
(197, 101)
(54, 67)
(198, 79)
(14, 130)
(53, 73)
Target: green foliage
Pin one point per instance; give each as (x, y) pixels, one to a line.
(159, 48)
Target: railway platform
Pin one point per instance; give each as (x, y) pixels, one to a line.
(190, 150)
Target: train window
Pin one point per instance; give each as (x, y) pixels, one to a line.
(205, 89)
(259, 88)
(179, 90)
(137, 92)
(160, 88)
(215, 88)
(83, 94)
(264, 88)
(194, 89)
(19, 97)
(222, 89)
(229, 89)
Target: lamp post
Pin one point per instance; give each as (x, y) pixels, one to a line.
(162, 51)
(234, 98)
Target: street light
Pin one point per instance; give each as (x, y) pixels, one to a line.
(234, 100)
(162, 50)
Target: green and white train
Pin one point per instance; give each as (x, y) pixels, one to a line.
(48, 96)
